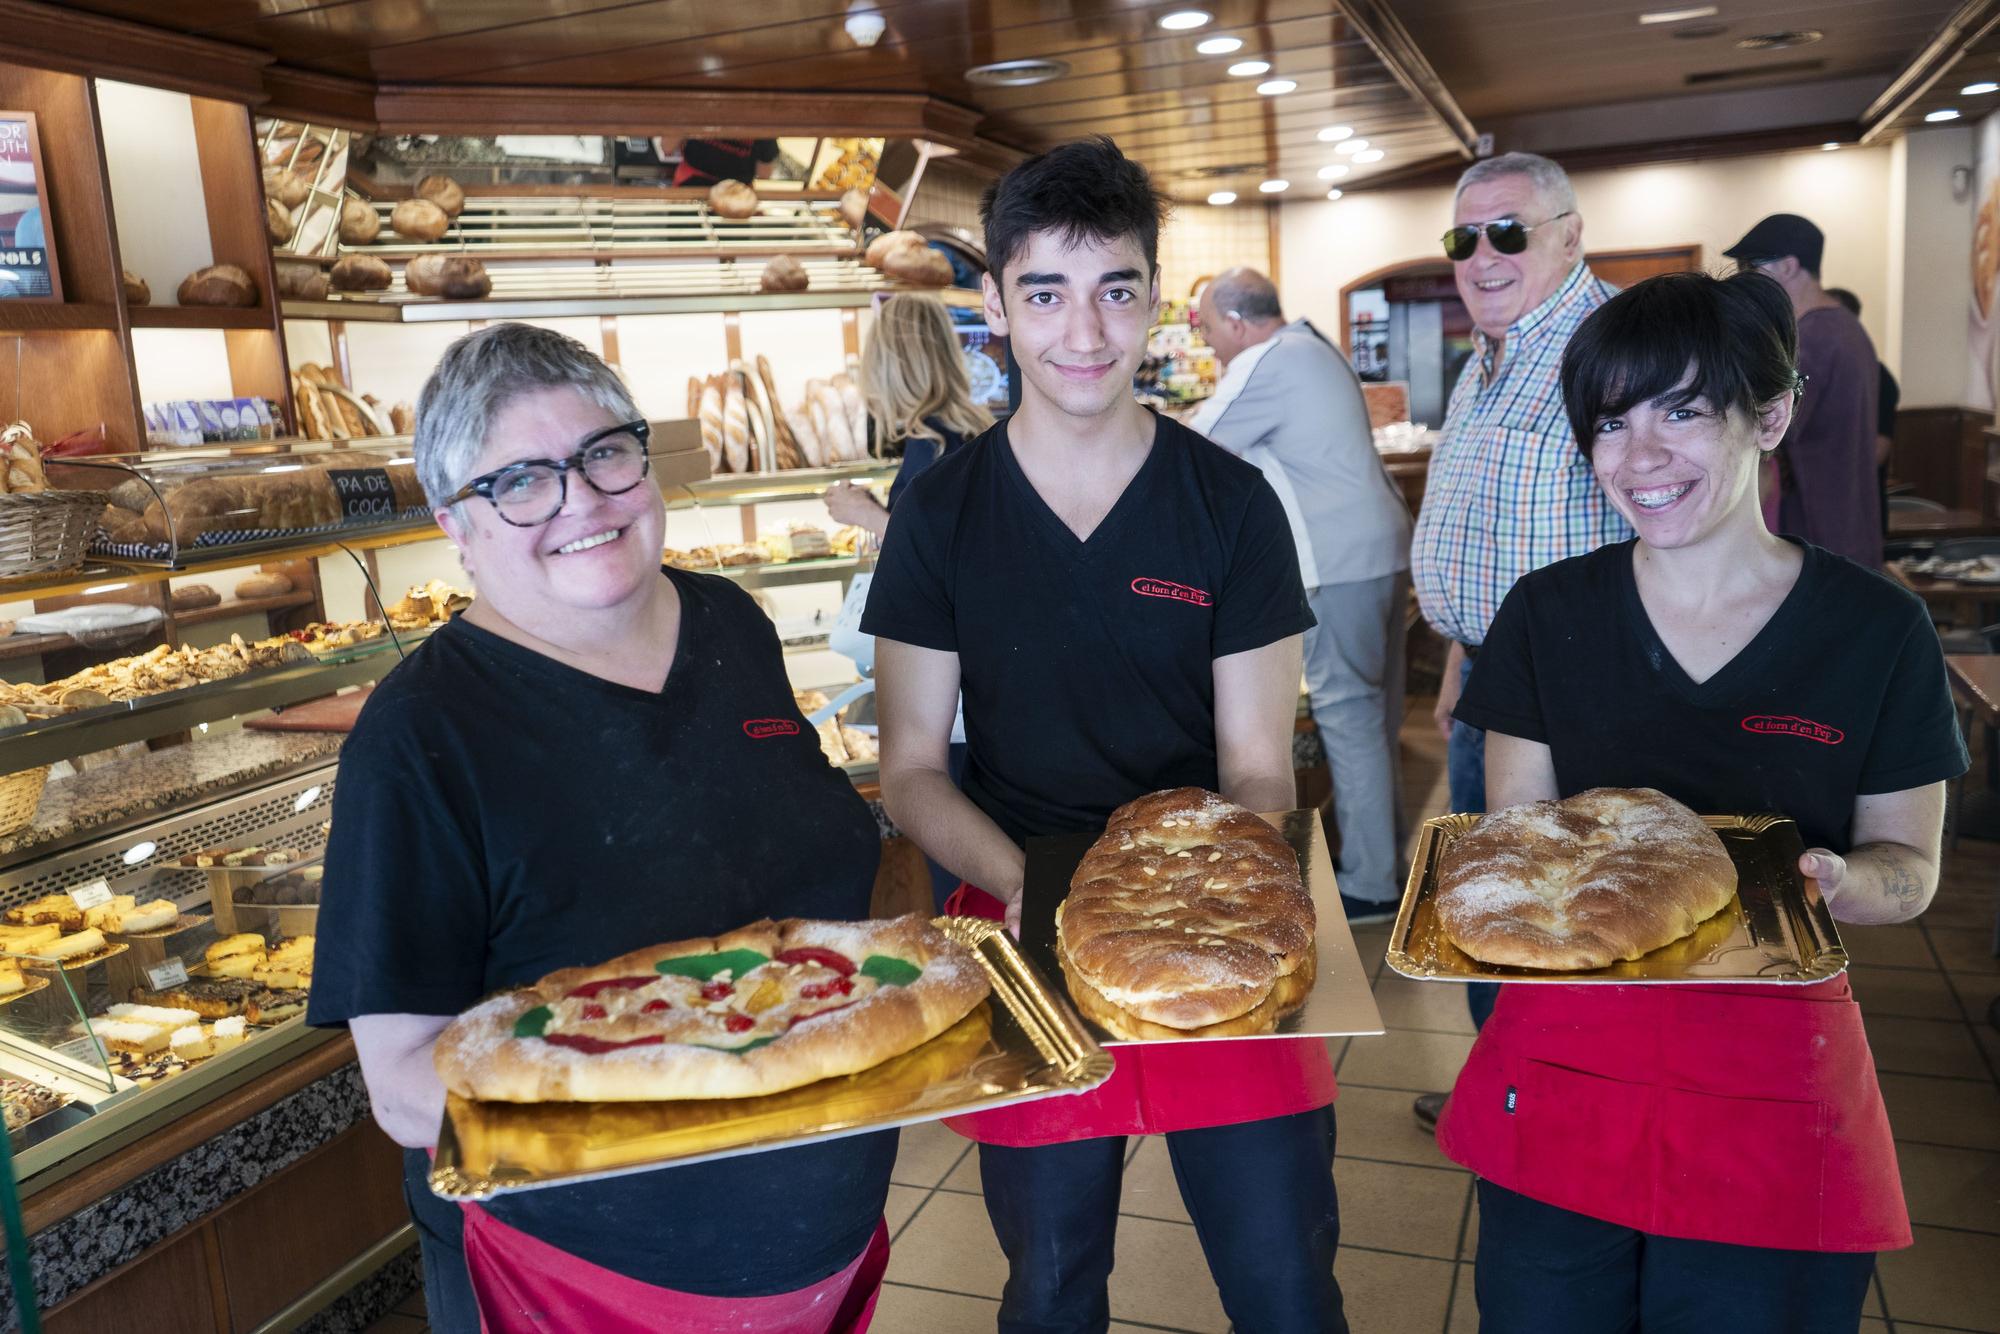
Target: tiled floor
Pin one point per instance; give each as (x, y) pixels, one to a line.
(1409, 1223)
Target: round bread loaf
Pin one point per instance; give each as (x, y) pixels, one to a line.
(879, 248)
(454, 276)
(917, 265)
(359, 222)
(360, 273)
(191, 597)
(137, 291)
(784, 274)
(289, 188)
(218, 285)
(267, 585)
(1188, 912)
(732, 199)
(277, 222)
(1582, 883)
(854, 207)
(419, 220)
(443, 191)
(300, 279)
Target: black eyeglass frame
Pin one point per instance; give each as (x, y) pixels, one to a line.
(483, 484)
(1494, 231)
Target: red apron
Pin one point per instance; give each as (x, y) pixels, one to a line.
(1745, 1115)
(1158, 1087)
(526, 1286)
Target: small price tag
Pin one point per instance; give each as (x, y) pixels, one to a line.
(172, 973)
(93, 895)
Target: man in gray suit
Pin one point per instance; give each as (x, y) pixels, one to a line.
(1290, 403)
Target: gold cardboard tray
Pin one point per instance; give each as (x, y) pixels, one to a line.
(1777, 929)
(97, 956)
(1021, 1044)
(30, 984)
(1340, 1002)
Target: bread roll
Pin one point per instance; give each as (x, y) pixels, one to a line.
(732, 199)
(359, 222)
(880, 248)
(854, 207)
(360, 273)
(453, 276)
(919, 266)
(288, 188)
(218, 285)
(137, 293)
(443, 191)
(268, 585)
(301, 279)
(736, 426)
(193, 597)
(277, 222)
(419, 220)
(784, 274)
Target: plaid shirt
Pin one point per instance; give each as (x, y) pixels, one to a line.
(1508, 490)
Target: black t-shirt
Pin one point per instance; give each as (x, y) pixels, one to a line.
(500, 815)
(1087, 667)
(1841, 694)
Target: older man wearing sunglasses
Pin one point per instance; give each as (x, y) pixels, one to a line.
(1508, 490)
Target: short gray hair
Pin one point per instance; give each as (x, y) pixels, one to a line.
(1245, 292)
(1551, 181)
(479, 375)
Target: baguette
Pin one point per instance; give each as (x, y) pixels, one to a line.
(783, 446)
(857, 408)
(736, 425)
(709, 413)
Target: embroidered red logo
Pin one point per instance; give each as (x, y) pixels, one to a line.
(759, 728)
(1772, 724)
(1164, 588)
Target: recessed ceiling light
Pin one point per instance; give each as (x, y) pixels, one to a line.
(1183, 19)
(1941, 114)
(1370, 155)
(1244, 69)
(1333, 134)
(1334, 172)
(1778, 41)
(1219, 46)
(1221, 197)
(1351, 146)
(1333, 194)
(1679, 15)
(1274, 186)
(1016, 73)
(1274, 87)
(1979, 89)
(1829, 148)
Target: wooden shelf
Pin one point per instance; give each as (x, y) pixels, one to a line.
(98, 573)
(198, 317)
(223, 611)
(46, 316)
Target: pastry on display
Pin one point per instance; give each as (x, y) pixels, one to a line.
(427, 604)
(443, 191)
(224, 1034)
(235, 956)
(768, 1007)
(58, 910)
(360, 273)
(162, 668)
(419, 220)
(128, 1038)
(211, 998)
(218, 285)
(12, 979)
(732, 199)
(359, 224)
(191, 1043)
(256, 854)
(1577, 884)
(28, 939)
(300, 280)
(784, 274)
(154, 916)
(159, 1016)
(26, 1101)
(1189, 912)
(298, 888)
(267, 1006)
(882, 246)
(21, 461)
(264, 585)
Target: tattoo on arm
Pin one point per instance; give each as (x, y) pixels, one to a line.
(1899, 884)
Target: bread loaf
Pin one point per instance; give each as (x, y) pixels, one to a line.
(857, 409)
(918, 265)
(218, 285)
(732, 199)
(784, 274)
(402, 418)
(137, 292)
(193, 597)
(419, 220)
(288, 188)
(360, 273)
(854, 207)
(735, 425)
(301, 279)
(359, 222)
(290, 500)
(880, 248)
(443, 191)
(277, 222)
(266, 585)
(709, 413)
(454, 276)
(784, 445)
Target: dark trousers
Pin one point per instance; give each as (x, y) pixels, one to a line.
(1465, 774)
(1541, 1269)
(441, 1233)
(1261, 1197)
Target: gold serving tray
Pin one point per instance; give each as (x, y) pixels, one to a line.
(1020, 1044)
(1340, 1002)
(1777, 929)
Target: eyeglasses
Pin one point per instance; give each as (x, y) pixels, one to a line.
(530, 493)
(1508, 235)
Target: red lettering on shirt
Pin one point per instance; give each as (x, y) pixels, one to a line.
(1773, 724)
(1166, 588)
(757, 729)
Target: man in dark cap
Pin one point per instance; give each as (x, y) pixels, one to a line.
(1826, 465)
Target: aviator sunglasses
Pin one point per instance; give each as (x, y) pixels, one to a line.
(1508, 235)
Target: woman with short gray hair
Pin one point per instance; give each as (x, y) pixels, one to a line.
(565, 772)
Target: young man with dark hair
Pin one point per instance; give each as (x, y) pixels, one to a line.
(1023, 570)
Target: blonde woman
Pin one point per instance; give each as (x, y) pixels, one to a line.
(919, 401)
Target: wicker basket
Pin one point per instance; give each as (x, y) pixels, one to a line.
(20, 794)
(44, 531)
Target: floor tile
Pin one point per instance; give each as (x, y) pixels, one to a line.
(1149, 1190)
(1976, 992)
(1438, 1007)
(1468, 1246)
(1464, 1305)
(1942, 1111)
(1419, 1062)
(1952, 1187)
(950, 1245)
(1965, 949)
(1914, 993)
(904, 1310)
(1961, 907)
(1378, 1123)
(927, 1153)
(1372, 944)
(1391, 1207)
(1162, 1278)
(1947, 1278)
(395, 1323)
(1924, 1047)
(1901, 946)
(966, 1175)
(903, 1202)
(1393, 1294)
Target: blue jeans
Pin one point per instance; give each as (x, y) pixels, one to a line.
(1541, 1268)
(1465, 771)
(1261, 1197)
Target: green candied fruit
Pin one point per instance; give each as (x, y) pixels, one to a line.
(751, 1045)
(704, 967)
(890, 972)
(532, 1024)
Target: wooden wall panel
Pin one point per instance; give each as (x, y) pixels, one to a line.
(167, 1291)
(1941, 453)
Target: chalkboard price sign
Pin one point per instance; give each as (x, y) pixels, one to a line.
(365, 493)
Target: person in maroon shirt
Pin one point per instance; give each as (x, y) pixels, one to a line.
(1826, 465)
